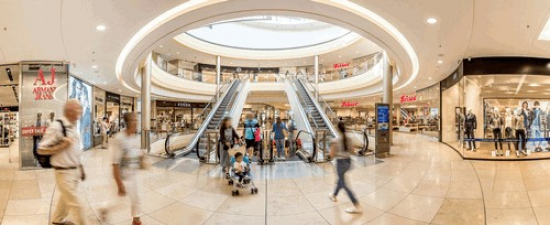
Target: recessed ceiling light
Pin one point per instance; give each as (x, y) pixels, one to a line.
(177, 53)
(429, 78)
(94, 66)
(431, 20)
(104, 82)
(478, 76)
(440, 61)
(100, 27)
(534, 85)
(414, 87)
(357, 52)
(339, 56)
(160, 46)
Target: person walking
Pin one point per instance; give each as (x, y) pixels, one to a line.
(104, 130)
(62, 141)
(279, 136)
(248, 132)
(228, 138)
(128, 159)
(341, 149)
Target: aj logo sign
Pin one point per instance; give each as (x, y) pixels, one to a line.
(44, 89)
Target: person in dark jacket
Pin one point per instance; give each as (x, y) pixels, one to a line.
(228, 138)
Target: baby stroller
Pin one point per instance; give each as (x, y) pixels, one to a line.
(247, 180)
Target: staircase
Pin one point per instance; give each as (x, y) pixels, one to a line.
(316, 121)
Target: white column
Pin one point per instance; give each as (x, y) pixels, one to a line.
(218, 76)
(387, 92)
(316, 77)
(146, 103)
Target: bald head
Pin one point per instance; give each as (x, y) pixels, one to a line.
(72, 110)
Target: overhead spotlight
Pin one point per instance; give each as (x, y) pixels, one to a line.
(440, 61)
(104, 82)
(100, 27)
(94, 66)
(431, 20)
(429, 78)
(177, 53)
(160, 46)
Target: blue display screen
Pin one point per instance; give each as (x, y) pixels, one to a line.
(383, 119)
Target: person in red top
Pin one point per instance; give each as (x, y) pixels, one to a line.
(258, 140)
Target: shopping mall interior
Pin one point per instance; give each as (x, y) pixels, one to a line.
(424, 112)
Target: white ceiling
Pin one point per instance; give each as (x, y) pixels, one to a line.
(65, 30)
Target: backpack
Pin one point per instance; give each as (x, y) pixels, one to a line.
(249, 128)
(44, 160)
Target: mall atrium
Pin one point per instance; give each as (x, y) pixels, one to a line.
(261, 111)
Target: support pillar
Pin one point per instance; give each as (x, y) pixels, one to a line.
(316, 64)
(218, 76)
(387, 93)
(146, 104)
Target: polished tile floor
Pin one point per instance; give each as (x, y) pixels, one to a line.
(424, 182)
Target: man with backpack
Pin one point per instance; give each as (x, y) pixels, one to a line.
(60, 149)
(248, 132)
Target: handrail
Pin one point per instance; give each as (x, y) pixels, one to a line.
(319, 98)
(292, 89)
(321, 111)
(202, 128)
(313, 140)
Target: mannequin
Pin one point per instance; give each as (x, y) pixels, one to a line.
(508, 127)
(525, 113)
(470, 125)
(536, 125)
(497, 125)
(519, 126)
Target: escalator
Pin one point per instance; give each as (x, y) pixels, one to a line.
(201, 141)
(315, 129)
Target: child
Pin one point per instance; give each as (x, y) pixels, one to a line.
(240, 167)
(258, 141)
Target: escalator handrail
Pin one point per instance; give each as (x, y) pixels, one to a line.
(321, 112)
(365, 141)
(314, 141)
(194, 141)
(300, 109)
(229, 104)
(321, 99)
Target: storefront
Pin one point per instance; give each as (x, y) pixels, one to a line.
(177, 116)
(98, 114)
(419, 112)
(498, 108)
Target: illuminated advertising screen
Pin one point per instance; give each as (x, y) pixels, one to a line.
(83, 92)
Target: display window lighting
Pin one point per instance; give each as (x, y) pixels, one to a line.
(440, 61)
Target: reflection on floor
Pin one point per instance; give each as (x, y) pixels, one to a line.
(424, 182)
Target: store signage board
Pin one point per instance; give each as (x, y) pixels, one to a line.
(340, 65)
(43, 89)
(112, 97)
(406, 98)
(349, 104)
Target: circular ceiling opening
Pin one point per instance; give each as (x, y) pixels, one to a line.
(271, 33)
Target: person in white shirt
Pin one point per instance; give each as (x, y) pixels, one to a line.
(65, 154)
(104, 137)
(240, 167)
(127, 160)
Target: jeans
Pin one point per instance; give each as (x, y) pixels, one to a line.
(342, 166)
(291, 144)
(497, 135)
(520, 135)
(280, 144)
(469, 134)
(535, 133)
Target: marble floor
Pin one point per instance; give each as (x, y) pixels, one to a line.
(423, 182)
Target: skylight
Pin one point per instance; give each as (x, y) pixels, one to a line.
(545, 32)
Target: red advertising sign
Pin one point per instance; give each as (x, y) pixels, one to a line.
(340, 65)
(349, 104)
(31, 131)
(44, 89)
(406, 98)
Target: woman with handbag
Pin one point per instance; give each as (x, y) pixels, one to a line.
(228, 138)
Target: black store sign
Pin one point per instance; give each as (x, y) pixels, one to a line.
(180, 104)
(112, 97)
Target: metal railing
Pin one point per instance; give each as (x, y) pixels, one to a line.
(306, 147)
